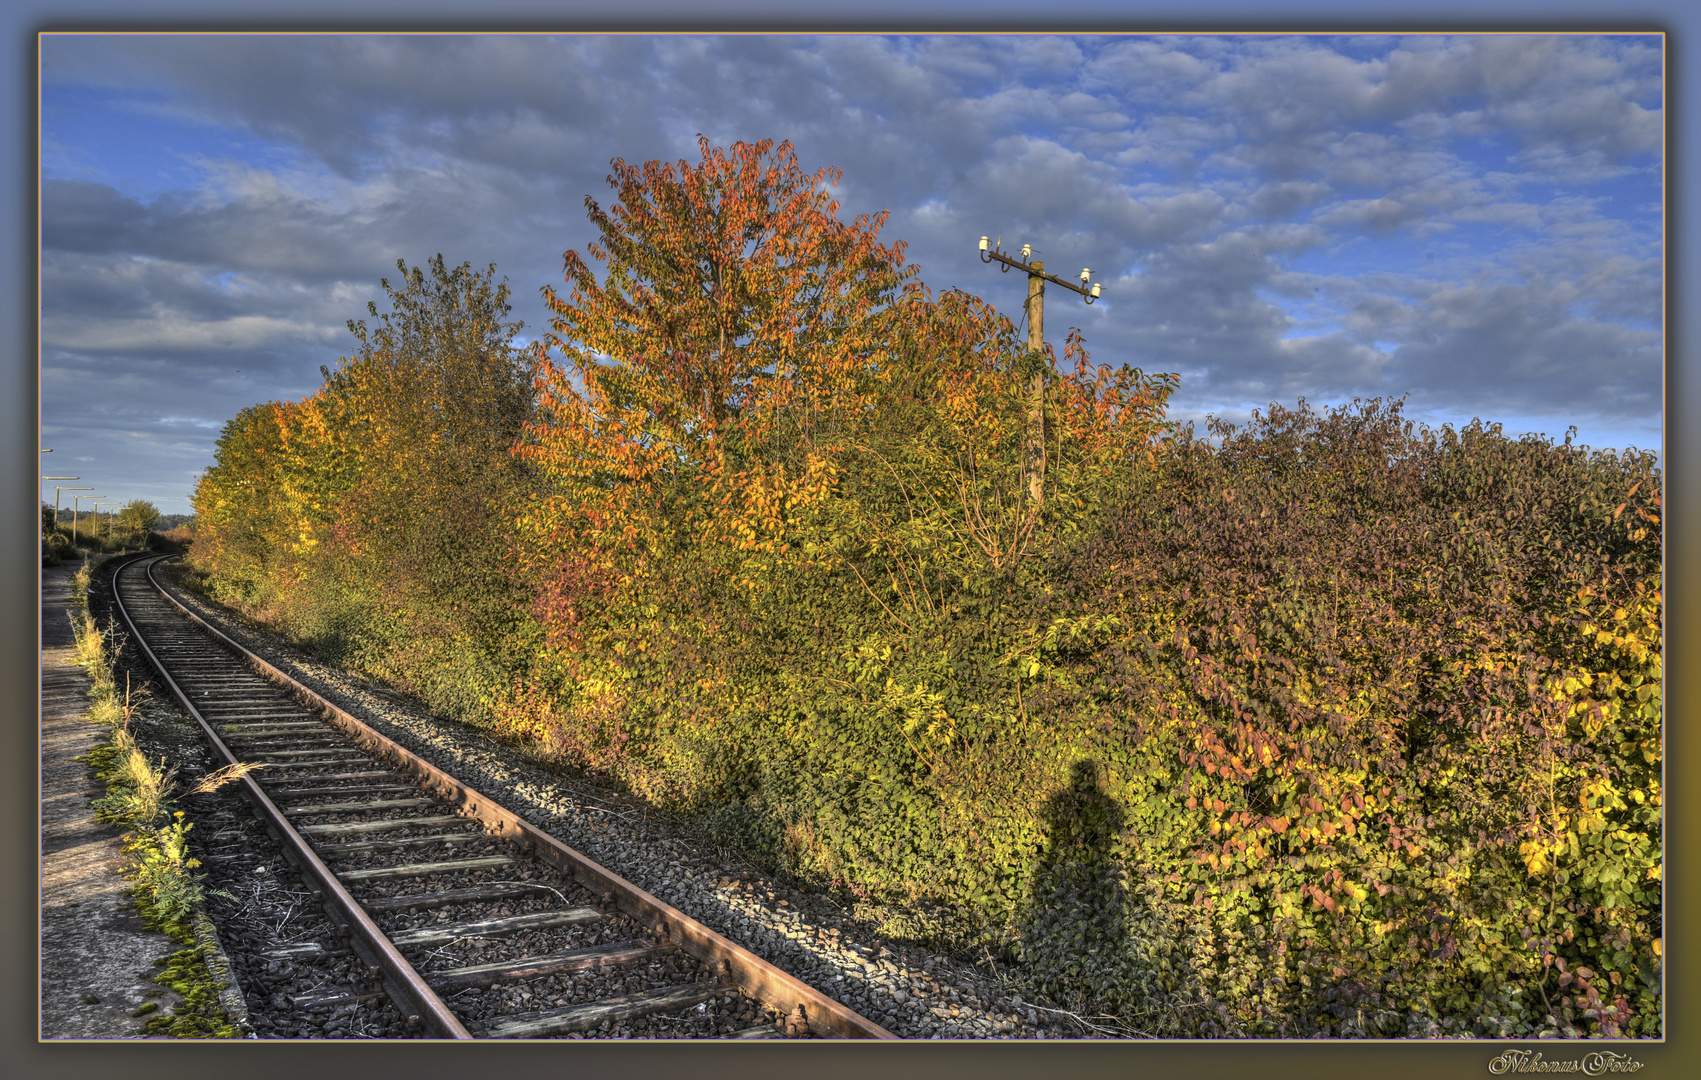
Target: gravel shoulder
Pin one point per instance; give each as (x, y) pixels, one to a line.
(913, 992)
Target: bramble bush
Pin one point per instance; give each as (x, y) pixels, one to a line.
(1339, 726)
(1381, 706)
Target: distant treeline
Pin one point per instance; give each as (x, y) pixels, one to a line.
(1329, 725)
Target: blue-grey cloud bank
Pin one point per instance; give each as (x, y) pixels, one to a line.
(1472, 222)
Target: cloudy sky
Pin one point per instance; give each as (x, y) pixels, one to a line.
(1473, 221)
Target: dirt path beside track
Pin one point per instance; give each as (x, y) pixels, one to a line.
(97, 958)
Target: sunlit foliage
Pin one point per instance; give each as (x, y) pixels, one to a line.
(1330, 725)
(1381, 707)
(372, 517)
(136, 520)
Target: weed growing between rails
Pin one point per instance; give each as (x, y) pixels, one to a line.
(139, 799)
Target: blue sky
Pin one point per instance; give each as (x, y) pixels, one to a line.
(1471, 220)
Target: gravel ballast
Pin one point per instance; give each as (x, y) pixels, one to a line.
(913, 992)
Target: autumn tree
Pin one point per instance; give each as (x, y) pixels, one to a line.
(706, 366)
(410, 445)
(772, 458)
(137, 519)
(243, 546)
(731, 285)
(386, 495)
(437, 383)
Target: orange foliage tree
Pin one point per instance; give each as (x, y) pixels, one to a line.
(704, 372)
(239, 521)
(781, 491)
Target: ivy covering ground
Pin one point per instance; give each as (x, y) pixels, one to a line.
(1331, 725)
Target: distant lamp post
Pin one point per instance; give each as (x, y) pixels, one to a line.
(57, 489)
(75, 499)
(1033, 451)
(108, 511)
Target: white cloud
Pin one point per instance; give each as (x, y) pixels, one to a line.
(171, 331)
(1264, 210)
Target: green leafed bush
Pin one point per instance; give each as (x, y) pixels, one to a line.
(1382, 707)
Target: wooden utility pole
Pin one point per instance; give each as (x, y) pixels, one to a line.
(1033, 449)
(1033, 444)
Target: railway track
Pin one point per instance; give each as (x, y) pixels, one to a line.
(405, 860)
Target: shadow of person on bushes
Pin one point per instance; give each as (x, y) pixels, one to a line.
(1092, 946)
(1078, 897)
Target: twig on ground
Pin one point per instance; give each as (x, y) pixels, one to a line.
(1116, 1029)
(533, 884)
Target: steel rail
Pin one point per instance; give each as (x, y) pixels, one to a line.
(751, 974)
(405, 985)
